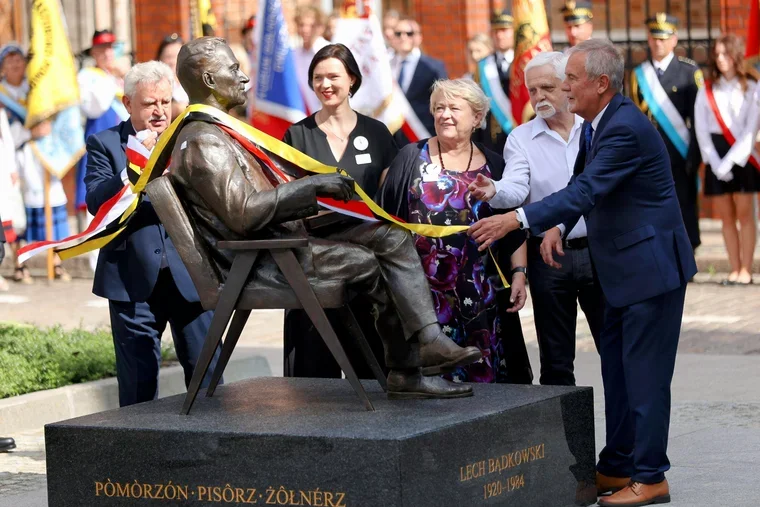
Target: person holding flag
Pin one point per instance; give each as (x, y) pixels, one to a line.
(493, 77)
(722, 111)
(532, 37)
(13, 91)
(665, 88)
(279, 101)
(100, 94)
(41, 148)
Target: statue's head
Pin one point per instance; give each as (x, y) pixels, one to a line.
(210, 74)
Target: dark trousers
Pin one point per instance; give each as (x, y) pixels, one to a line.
(638, 349)
(555, 294)
(137, 330)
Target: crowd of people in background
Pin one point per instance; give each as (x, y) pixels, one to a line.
(475, 166)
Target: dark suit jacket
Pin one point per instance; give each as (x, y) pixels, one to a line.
(637, 238)
(128, 267)
(428, 71)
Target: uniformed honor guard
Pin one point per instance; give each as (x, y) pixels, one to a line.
(665, 89)
(493, 77)
(578, 24)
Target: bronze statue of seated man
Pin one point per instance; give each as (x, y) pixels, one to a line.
(228, 196)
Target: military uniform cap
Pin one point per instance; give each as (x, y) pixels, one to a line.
(577, 12)
(662, 25)
(502, 19)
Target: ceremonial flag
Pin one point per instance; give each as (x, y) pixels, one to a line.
(531, 37)
(53, 90)
(753, 39)
(279, 103)
(379, 97)
(201, 15)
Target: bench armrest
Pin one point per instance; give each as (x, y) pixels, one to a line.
(264, 244)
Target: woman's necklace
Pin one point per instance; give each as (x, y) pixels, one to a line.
(440, 155)
(341, 139)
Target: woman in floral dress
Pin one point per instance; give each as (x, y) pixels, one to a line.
(428, 184)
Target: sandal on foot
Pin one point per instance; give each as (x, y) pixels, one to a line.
(61, 274)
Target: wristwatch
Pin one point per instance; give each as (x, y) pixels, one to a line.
(520, 269)
(519, 221)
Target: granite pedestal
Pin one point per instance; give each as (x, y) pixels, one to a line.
(288, 441)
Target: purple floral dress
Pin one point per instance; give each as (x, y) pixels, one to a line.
(463, 294)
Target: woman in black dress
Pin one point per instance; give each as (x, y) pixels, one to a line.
(337, 135)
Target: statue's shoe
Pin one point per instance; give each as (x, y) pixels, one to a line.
(406, 386)
(441, 355)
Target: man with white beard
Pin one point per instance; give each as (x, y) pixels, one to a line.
(540, 156)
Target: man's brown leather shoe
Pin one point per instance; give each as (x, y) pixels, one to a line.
(637, 494)
(606, 484)
(413, 385)
(441, 355)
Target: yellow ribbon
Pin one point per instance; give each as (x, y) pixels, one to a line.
(294, 156)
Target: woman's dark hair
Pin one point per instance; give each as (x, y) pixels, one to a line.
(342, 53)
(735, 50)
(168, 41)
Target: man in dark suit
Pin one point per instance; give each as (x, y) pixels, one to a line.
(494, 134)
(140, 273)
(623, 187)
(6, 443)
(665, 89)
(415, 73)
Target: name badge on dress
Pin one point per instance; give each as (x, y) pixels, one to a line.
(363, 158)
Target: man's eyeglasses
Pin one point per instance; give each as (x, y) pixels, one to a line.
(408, 34)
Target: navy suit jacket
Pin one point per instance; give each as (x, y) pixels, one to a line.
(637, 239)
(428, 71)
(128, 266)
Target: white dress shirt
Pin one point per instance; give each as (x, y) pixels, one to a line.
(731, 101)
(747, 132)
(508, 55)
(519, 211)
(303, 58)
(539, 163)
(664, 63)
(410, 65)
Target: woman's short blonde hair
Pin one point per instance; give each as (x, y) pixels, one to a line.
(482, 38)
(463, 88)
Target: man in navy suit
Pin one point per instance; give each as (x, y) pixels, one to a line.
(623, 187)
(140, 272)
(415, 73)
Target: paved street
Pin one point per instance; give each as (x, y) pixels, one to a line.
(715, 426)
(715, 435)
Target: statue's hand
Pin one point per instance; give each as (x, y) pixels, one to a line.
(334, 185)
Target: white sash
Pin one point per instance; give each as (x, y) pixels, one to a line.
(501, 107)
(662, 108)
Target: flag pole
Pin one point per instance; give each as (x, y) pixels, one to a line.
(48, 227)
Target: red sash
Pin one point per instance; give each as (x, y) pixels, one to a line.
(723, 127)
